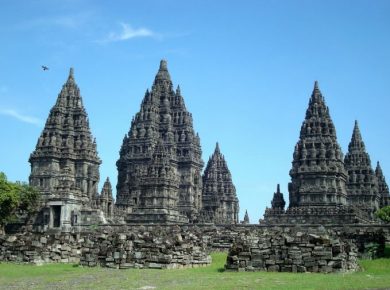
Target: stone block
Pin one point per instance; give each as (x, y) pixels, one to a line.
(11, 239)
(273, 268)
(155, 266)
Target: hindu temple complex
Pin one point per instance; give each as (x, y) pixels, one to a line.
(160, 169)
(325, 187)
(170, 211)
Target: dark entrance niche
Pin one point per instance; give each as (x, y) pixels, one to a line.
(56, 215)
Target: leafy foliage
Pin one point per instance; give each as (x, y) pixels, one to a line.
(384, 214)
(16, 198)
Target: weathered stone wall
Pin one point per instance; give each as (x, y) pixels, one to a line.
(316, 215)
(292, 251)
(165, 246)
(161, 248)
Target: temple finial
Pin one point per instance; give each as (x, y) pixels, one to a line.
(356, 135)
(163, 65)
(71, 74)
(278, 188)
(217, 148)
(316, 90)
(163, 74)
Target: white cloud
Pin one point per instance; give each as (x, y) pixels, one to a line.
(70, 21)
(21, 117)
(128, 32)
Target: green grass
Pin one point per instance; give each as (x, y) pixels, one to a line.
(375, 274)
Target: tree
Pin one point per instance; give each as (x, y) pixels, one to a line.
(16, 199)
(384, 214)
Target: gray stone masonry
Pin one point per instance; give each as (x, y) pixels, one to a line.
(172, 246)
(292, 251)
(163, 116)
(382, 187)
(219, 199)
(362, 183)
(65, 163)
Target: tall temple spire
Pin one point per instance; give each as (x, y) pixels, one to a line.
(220, 202)
(362, 184)
(382, 186)
(66, 151)
(71, 74)
(105, 200)
(162, 117)
(356, 140)
(317, 175)
(217, 151)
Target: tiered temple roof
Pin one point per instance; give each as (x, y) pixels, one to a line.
(105, 201)
(163, 116)
(383, 189)
(278, 199)
(362, 184)
(65, 162)
(220, 202)
(317, 176)
(66, 142)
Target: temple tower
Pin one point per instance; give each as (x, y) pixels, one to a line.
(383, 189)
(65, 162)
(159, 189)
(162, 116)
(317, 176)
(105, 200)
(220, 202)
(278, 200)
(362, 184)
(246, 220)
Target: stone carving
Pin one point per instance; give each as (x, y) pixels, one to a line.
(105, 201)
(319, 180)
(363, 191)
(60, 169)
(162, 107)
(246, 220)
(317, 146)
(220, 202)
(278, 199)
(383, 189)
(158, 202)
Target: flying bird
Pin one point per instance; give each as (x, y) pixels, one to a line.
(44, 67)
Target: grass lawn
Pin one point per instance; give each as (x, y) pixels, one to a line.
(375, 274)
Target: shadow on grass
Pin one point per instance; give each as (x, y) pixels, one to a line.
(221, 270)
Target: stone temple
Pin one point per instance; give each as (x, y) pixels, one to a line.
(168, 214)
(163, 118)
(220, 202)
(362, 184)
(65, 165)
(325, 187)
(160, 165)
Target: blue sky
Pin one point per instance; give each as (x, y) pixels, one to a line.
(246, 70)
